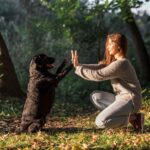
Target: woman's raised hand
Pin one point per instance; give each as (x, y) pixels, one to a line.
(74, 58)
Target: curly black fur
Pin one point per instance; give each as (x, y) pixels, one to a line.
(41, 92)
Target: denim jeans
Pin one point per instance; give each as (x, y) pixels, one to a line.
(114, 112)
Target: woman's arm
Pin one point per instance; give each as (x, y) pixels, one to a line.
(94, 66)
(98, 73)
(114, 70)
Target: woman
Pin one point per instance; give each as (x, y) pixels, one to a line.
(123, 106)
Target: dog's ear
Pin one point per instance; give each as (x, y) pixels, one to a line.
(42, 60)
(39, 59)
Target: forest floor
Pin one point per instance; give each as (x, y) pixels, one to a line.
(70, 127)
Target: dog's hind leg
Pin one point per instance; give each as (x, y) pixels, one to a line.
(35, 126)
(23, 127)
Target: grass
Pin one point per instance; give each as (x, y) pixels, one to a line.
(69, 127)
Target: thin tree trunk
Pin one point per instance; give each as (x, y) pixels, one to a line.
(142, 54)
(9, 84)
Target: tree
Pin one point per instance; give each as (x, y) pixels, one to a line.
(9, 85)
(142, 53)
(83, 25)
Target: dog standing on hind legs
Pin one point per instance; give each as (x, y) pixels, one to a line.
(41, 92)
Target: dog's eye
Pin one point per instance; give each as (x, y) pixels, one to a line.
(45, 57)
(42, 57)
(39, 56)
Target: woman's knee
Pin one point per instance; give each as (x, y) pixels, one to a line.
(95, 100)
(102, 95)
(94, 96)
(98, 101)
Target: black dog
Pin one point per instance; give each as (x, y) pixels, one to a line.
(41, 92)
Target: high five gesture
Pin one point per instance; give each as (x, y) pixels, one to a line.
(74, 58)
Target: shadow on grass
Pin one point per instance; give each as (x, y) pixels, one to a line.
(10, 128)
(72, 130)
(52, 131)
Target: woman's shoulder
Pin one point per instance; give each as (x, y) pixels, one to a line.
(125, 61)
(121, 63)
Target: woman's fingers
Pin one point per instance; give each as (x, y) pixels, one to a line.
(76, 54)
(72, 54)
(74, 57)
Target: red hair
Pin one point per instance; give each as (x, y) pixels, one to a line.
(121, 47)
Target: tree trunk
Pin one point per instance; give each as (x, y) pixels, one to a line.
(142, 54)
(9, 84)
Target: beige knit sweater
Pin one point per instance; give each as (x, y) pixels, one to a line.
(123, 78)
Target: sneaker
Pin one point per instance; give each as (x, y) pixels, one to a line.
(138, 123)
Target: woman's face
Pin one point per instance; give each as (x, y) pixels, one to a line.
(112, 47)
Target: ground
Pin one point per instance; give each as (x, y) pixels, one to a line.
(70, 126)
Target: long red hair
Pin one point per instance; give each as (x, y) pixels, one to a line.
(120, 41)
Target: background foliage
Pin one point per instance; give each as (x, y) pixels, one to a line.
(55, 27)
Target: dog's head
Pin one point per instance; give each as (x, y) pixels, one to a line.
(41, 62)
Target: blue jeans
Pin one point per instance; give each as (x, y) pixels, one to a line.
(114, 112)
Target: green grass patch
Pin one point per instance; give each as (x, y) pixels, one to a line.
(69, 127)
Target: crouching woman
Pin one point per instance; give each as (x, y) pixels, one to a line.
(123, 106)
